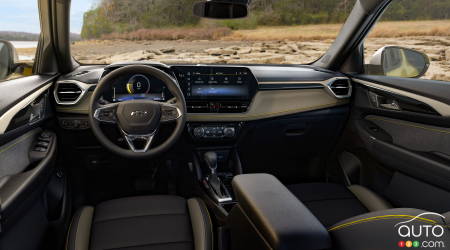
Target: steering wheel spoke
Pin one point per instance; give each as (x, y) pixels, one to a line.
(106, 113)
(139, 143)
(170, 112)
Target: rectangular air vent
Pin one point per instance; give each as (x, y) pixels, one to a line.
(197, 107)
(217, 106)
(341, 88)
(68, 92)
(233, 107)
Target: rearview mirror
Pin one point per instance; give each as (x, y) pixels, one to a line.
(221, 9)
(399, 62)
(8, 58)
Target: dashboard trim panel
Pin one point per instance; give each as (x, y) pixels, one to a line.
(288, 86)
(274, 103)
(266, 104)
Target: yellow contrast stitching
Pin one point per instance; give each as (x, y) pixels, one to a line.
(409, 125)
(15, 143)
(380, 218)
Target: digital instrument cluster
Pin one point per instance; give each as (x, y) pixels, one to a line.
(137, 86)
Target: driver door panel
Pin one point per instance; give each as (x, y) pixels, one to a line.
(27, 162)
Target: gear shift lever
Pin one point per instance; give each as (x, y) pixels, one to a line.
(211, 161)
(216, 187)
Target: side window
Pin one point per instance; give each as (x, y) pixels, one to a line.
(19, 33)
(412, 39)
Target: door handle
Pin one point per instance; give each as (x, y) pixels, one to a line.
(392, 104)
(384, 102)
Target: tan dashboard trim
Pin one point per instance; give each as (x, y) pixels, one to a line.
(295, 82)
(408, 124)
(266, 104)
(440, 107)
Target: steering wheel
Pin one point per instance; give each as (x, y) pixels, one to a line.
(138, 120)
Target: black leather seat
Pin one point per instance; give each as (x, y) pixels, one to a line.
(332, 203)
(142, 223)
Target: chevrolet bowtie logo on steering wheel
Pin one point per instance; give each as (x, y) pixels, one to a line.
(139, 114)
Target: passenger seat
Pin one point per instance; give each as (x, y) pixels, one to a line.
(332, 203)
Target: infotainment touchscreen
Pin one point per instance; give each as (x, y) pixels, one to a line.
(209, 82)
(219, 91)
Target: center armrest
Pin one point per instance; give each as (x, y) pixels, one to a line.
(278, 216)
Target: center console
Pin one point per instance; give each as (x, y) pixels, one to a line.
(269, 216)
(213, 184)
(216, 169)
(215, 89)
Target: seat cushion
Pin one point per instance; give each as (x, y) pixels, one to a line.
(332, 203)
(160, 222)
(142, 223)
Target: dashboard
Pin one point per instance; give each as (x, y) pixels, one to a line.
(214, 93)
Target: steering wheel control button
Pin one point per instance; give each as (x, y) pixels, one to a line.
(106, 116)
(106, 113)
(169, 113)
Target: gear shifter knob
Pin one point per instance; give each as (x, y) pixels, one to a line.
(211, 160)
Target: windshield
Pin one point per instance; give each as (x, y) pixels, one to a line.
(275, 32)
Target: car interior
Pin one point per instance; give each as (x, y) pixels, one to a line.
(144, 155)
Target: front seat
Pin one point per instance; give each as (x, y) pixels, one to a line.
(142, 223)
(332, 203)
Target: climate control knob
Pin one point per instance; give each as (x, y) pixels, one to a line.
(199, 132)
(229, 132)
